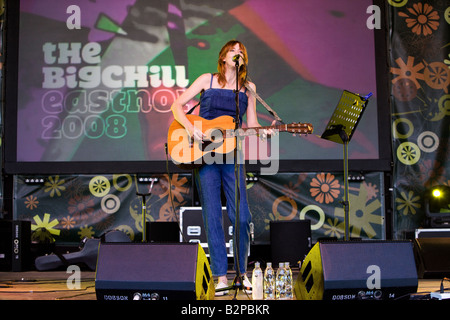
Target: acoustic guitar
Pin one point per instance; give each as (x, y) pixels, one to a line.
(220, 133)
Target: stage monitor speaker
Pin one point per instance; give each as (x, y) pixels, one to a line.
(432, 257)
(358, 270)
(150, 271)
(15, 245)
(290, 241)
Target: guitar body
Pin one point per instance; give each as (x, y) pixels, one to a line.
(189, 154)
(219, 142)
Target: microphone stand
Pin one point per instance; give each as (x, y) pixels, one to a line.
(238, 281)
(144, 208)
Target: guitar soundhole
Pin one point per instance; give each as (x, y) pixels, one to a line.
(216, 135)
(214, 140)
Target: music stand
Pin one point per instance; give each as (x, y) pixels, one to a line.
(340, 129)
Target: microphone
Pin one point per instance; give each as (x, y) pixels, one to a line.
(236, 57)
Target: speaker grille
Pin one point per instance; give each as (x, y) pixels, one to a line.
(150, 271)
(357, 270)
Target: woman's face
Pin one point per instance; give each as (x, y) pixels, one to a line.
(236, 49)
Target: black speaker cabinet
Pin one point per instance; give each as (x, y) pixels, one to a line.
(357, 270)
(150, 271)
(432, 257)
(163, 231)
(15, 245)
(290, 241)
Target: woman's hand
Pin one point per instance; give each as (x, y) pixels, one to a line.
(195, 134)
(267, 133)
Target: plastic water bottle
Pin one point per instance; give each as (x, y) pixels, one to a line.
(280, 282)
(269, 282)
(289, 281)
(257, 282)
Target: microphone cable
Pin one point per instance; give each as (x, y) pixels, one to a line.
(170, 193)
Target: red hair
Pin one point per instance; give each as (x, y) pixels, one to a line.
(221, 63)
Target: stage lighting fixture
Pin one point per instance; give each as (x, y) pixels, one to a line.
(437, 206)
(34, 180)
(142, 178)
(436, 193)
(251, 178)
(356, 177)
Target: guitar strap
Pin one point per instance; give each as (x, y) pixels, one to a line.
(192, 109)
(257, 96)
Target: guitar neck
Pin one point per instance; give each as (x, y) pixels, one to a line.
(226, 125)
(255, 130)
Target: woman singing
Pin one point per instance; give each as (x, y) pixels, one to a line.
(218, 99)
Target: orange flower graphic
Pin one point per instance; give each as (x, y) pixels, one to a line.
(422, 19)
(324, 188)
(177, 187)
(68, 222)
(81, 207)
(31, 202)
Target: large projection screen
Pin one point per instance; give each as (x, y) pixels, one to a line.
(89, 84)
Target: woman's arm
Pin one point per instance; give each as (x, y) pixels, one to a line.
(252, 118)
(201, 83)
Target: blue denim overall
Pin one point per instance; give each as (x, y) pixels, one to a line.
(210, 178)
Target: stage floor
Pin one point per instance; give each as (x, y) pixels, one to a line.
(53, 285)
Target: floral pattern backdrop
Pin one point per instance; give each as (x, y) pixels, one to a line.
(420, 79)
(73, 207)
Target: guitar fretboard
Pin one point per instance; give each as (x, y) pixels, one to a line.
(303, 128)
